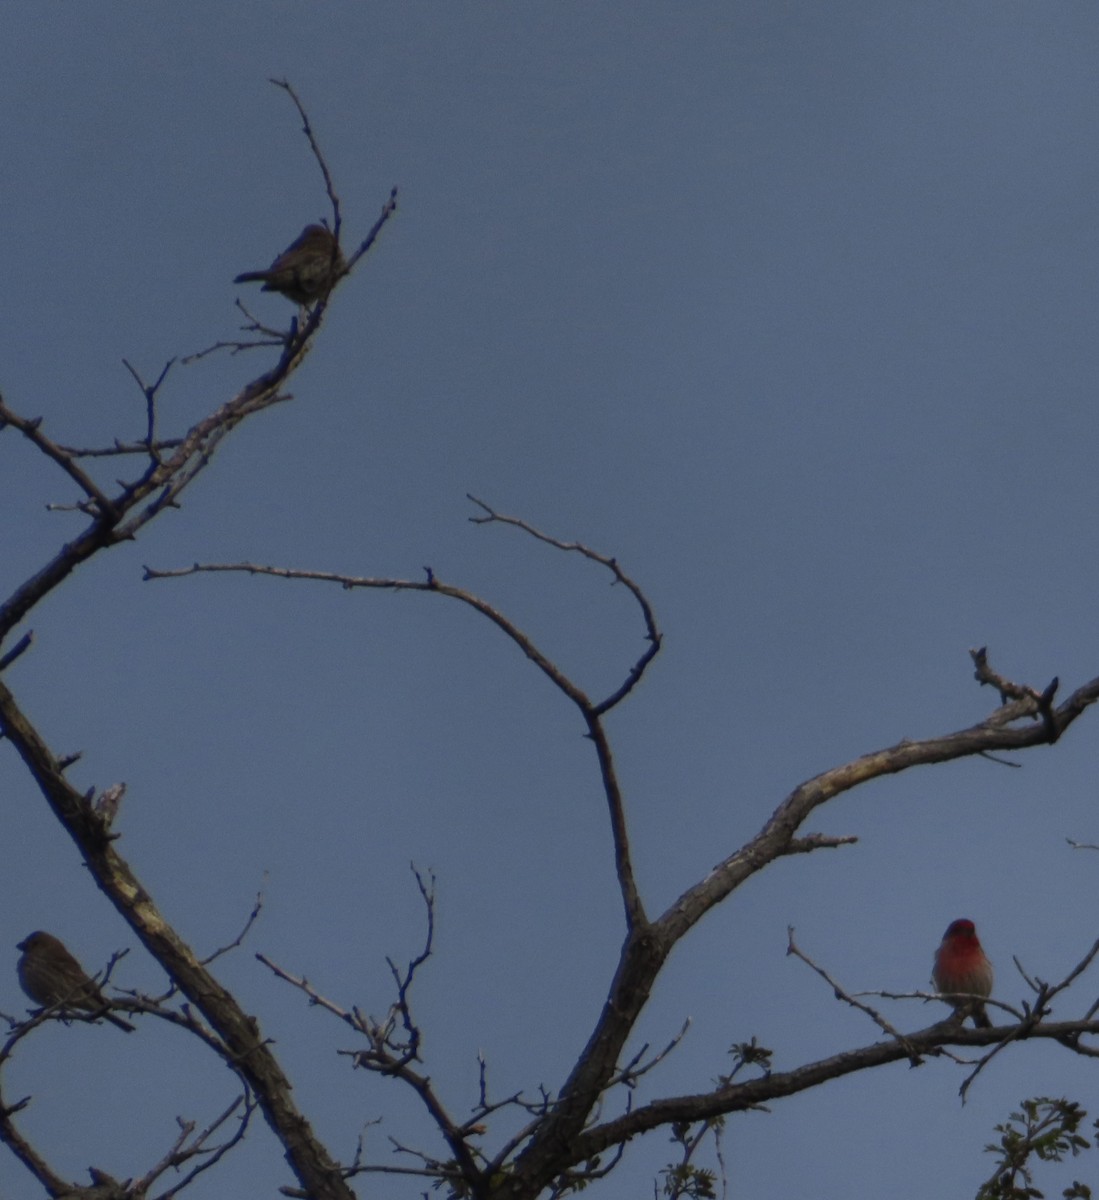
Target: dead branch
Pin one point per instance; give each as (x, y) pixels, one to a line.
(848, 997)
(307, 129)
(591, 712)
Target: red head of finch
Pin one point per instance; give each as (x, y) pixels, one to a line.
(50, 975)
(962, 966)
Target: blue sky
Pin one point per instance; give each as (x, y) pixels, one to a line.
(790, 307)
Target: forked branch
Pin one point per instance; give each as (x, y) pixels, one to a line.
(592, 712)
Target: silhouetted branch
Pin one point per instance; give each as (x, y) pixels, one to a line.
(652, 633)
(189, 1145)
(635, 915)
(149, 391)
(98, 504)
(19, 648)
(847, 997)
(307, 129)
(253, 917)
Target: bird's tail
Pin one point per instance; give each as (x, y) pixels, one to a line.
(980, 1017)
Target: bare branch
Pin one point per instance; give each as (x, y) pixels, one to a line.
(945, 998)
(237, 346)
(307, 129)
(10, 1135)
(120, 449)
(30, 429)
(388, 209)
(652, 633)
(818, 841)
(454, 1133)
(848, 998)
(1000, 762)
(352, 1018)
(1076, 971)
(20, 647)
(388, 1055)
(253, 917)
(143, 499)
(149, 391)
(405, 980)
(635, 914)
(635, 1068)
(189, 1145)
(1028, 701)
(430, 584)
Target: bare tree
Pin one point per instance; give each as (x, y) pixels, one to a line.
(568, 1137)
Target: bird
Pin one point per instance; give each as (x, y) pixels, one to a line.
(961, 966)
(305, 271)
(50, 976)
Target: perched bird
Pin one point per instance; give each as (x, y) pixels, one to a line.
(305, 271)
(961, 966)
(50, 975)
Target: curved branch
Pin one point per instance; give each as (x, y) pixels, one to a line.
(631, 899)
(591, 711)
(652, 633)
(307, 129)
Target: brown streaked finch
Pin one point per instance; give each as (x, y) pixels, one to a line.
(50, 976)
(961, 966)
(305, 271)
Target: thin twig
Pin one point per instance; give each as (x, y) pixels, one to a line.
(307, 129)
(848, 998)
(652, 633)
(20, 647)
(104, 509)
(253, 916)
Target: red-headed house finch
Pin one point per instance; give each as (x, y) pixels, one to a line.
(50, 975)
(305, 271)
(961, 966)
